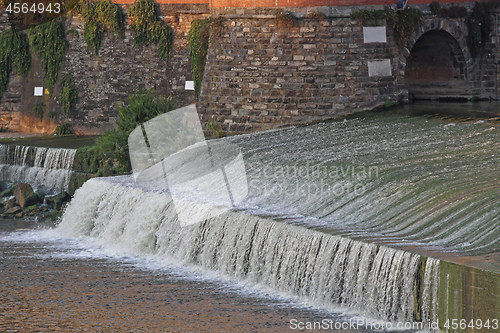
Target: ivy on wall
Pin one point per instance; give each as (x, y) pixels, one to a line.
(100, 16)
(199, 38)
(49, 42)
(316, 16)
(68, 94)
(404, 22)
(149, 29)
(64, 129)
(39, 109)
(368, 17)
(479, 23)
(14, 53)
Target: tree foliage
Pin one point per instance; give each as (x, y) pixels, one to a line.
(110, 154)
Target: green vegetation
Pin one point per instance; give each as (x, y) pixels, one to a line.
(52, 114)
(404, 22)
(214, 129)
(55, 215)
(316, 16)
(38, 109)
(100, 16)
(14, 53)
(68, 94)
(285, 17)
(149, 29)
(389, 104)
(475, 99)
(479, 23)
(369, 17)
(435, 8)
(49, 42)
(110, 155)
(64, 129)
(73, 5)
(199, 39)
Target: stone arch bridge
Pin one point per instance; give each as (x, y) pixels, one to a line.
(437, 62)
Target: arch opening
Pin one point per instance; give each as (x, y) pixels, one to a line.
(436, 67)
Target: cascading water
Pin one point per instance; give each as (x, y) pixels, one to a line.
(38, 166)
(406, 181)
(331, 213)
(324, 268)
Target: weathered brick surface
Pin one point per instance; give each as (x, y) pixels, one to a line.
(317, 3)
(259, 75)
(105, 79)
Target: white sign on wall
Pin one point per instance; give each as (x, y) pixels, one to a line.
(379, 68)
(374, 34)
(189, 85)
(38, 91)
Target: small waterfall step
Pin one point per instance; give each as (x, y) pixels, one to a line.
(376, 280)
(50, 168)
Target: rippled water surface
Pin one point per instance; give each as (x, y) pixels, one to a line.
(414, 184)
(56, 285)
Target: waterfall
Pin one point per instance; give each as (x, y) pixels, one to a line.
(50, 168)
(342, 213)
(393, 179)
(430, 303)
(326, 269)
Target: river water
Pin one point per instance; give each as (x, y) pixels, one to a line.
(337, 224)
(49, 284)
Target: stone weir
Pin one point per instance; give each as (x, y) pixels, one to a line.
(320, 268)
(49, 170)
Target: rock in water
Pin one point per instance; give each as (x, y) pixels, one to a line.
(13, 210)
(23, 193)
(8, 192)
(10, 203)
(56, 201)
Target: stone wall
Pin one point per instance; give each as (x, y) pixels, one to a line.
(261, 75)
(104, 79)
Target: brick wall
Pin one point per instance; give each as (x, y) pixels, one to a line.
(317, 3)
(259, 75)
(103, 80)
